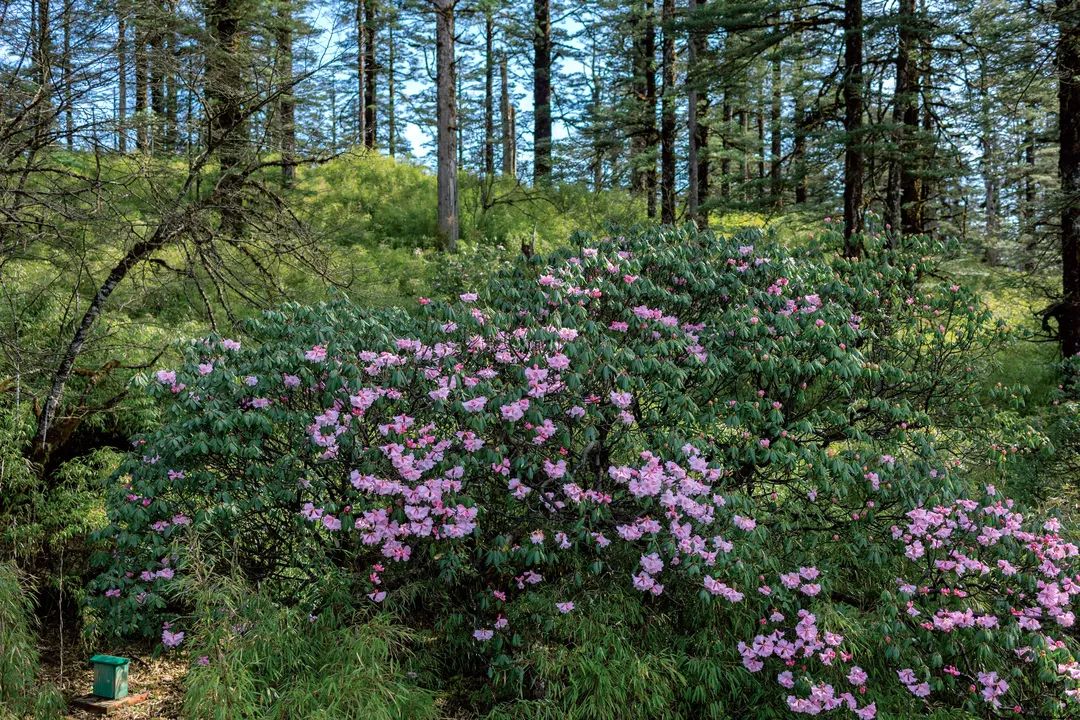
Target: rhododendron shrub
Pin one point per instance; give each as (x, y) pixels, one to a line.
(764, 441)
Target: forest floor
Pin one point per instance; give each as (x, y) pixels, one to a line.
(67, 667)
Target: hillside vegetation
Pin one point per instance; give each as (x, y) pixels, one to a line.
(761, 367)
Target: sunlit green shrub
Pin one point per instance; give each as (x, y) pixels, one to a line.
(369, 199)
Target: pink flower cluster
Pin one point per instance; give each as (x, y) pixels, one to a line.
(967, 539)
(966, 556)
(806, 641)
(802, 581)
(993, 687)
(916, 687)
(690, 502)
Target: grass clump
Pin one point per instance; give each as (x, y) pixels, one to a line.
(253, 658)
(21, 695)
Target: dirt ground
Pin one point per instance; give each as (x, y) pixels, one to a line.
(161, 676)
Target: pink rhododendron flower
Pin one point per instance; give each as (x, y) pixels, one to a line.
(651, 563)
(857, 676)
(514, 411)
(476, 404)
(744, 523)
(558, 361)
(171, 639)
(993, 687)
(555, 470)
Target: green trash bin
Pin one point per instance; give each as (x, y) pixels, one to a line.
(110, 676)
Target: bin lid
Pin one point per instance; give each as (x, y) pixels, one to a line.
(109, 660)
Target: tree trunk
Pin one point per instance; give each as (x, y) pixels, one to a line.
(853, 112)
(599, 142)
(649, 130)
(333, 117)
(446, 86)
(991, 182)
(924, 182)
(910, 183)
(142, 81)
(1027, 204)
(667, 121)
(699, 45)
(744, 152)
(286, 102)
(1068, 60)
(361, 75)
(725, 163)
(172, 69)
(643, 122)
(65, 79)
(798, 148)
(798, 155)
(776, 130)
(121, 72)
(489, 95)
(157, 61)
(371, 79)
(506, 122)
(902, 201)
(541, 91)
(391, 89)
(460, 92)
(692, 180)
(43, 48)
(192, 126)
(760, 118)
(224, 94)
(40, 447)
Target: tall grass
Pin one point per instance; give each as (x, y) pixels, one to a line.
(255, 659)
(609, 659)
(21, 695)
